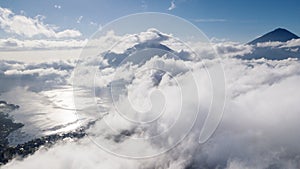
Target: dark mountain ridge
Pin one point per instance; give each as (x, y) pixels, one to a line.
(277, 35)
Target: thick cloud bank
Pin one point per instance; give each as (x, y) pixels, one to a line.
(259, 128)
(30, 27)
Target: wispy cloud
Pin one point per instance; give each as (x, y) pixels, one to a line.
(144, 5)
(93, 23)
(12, 44)
(22, 12)
(210, 20)
(173, 6)
(57, 6)
(79, 19)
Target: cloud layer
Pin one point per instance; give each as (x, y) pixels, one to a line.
(12, 44)
(259, 127)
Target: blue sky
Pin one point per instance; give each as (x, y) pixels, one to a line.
(234, 20)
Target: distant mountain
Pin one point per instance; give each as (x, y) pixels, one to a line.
(281, 35)
(147, 49)
(274, 52)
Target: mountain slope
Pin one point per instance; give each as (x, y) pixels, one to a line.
(280, 35)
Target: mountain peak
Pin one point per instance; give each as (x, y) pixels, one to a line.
(279, 34)
(281, 29)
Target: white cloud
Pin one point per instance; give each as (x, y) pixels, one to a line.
(255, 131)
(31, 27)
(269, 44)
(144, 5)
(57, 6)
(276, 44)
(22, 12)
(78, 20)
(40, 56)
(230, 49)
(93, 23)
(292, 43)
(68, 33)
(11, 44)
(173, 6)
